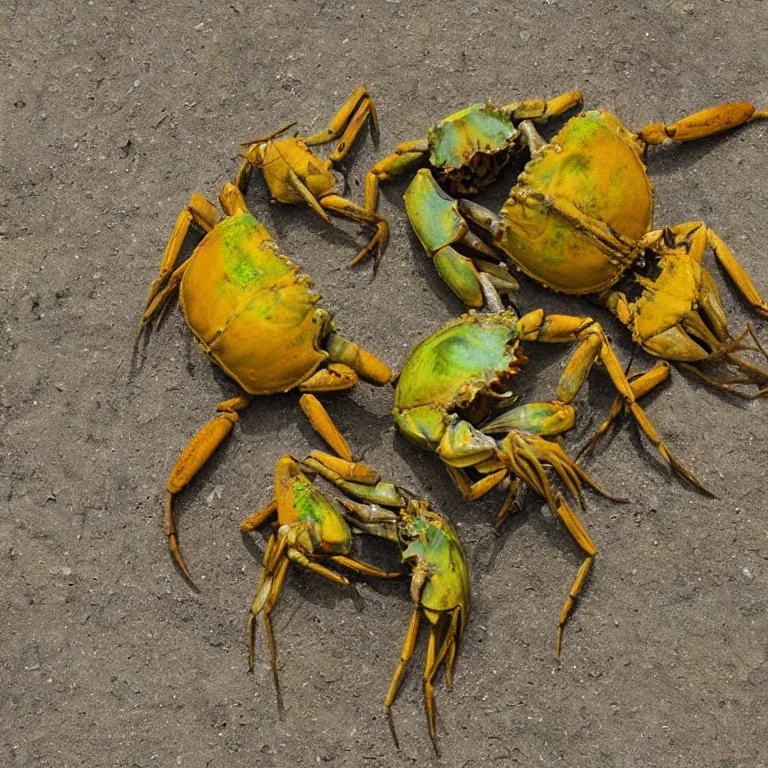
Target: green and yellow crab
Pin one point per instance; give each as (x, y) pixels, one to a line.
(455, 392)
(311, 531)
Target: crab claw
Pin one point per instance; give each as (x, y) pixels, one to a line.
(461, 257)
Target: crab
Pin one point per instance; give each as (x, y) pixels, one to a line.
(311, 531)
(254, 314)
(455, 382)
(468, 149)
(295, 174)
(579, 221)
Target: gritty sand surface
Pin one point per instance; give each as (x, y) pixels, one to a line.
(111, 115)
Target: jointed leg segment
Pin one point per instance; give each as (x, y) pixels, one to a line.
(197, 451)
(594, 345)
(579, 533)
(706, 122)
(347, 123)
(203, 213)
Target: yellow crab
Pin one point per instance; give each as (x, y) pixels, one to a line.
(295, 174)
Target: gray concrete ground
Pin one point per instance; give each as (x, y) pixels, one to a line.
(112, 114)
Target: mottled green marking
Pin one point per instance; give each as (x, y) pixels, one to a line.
(308, 502)
(480, 127)
(577, 164)
(463, 351)
(250, 255)
(582, 128)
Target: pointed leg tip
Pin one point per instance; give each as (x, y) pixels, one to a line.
(188, 578)
(391, 723)
(690, 478)
(360, 257)
(190, 581)
(178, 561)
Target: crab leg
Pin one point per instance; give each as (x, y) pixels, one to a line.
(509, 503)
(321, 421)
(334, 377)
(277, 557)
(593, 345)
(197, 451)
(641, 384)
(699, 125)
(435, 657)
(348, 121)
(539, 110)
(430, 668)
(350, 471)
(447, 647)
(203, 213)
(269, 590)
(579, 533)
(298, 557)
(528, 424)
(356, 124)
(306, 194)
(407, 155)
(366, 365)
(366, 570)
(232, 200)
(409, 644)
(382, 492)
(527, 457)
(736, 272)
(365, 216)
(158, 302)
(258, 518)
(339, 376)
(473, 491)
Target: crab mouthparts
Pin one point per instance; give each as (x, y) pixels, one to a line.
(481, 170)
(505, 378)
